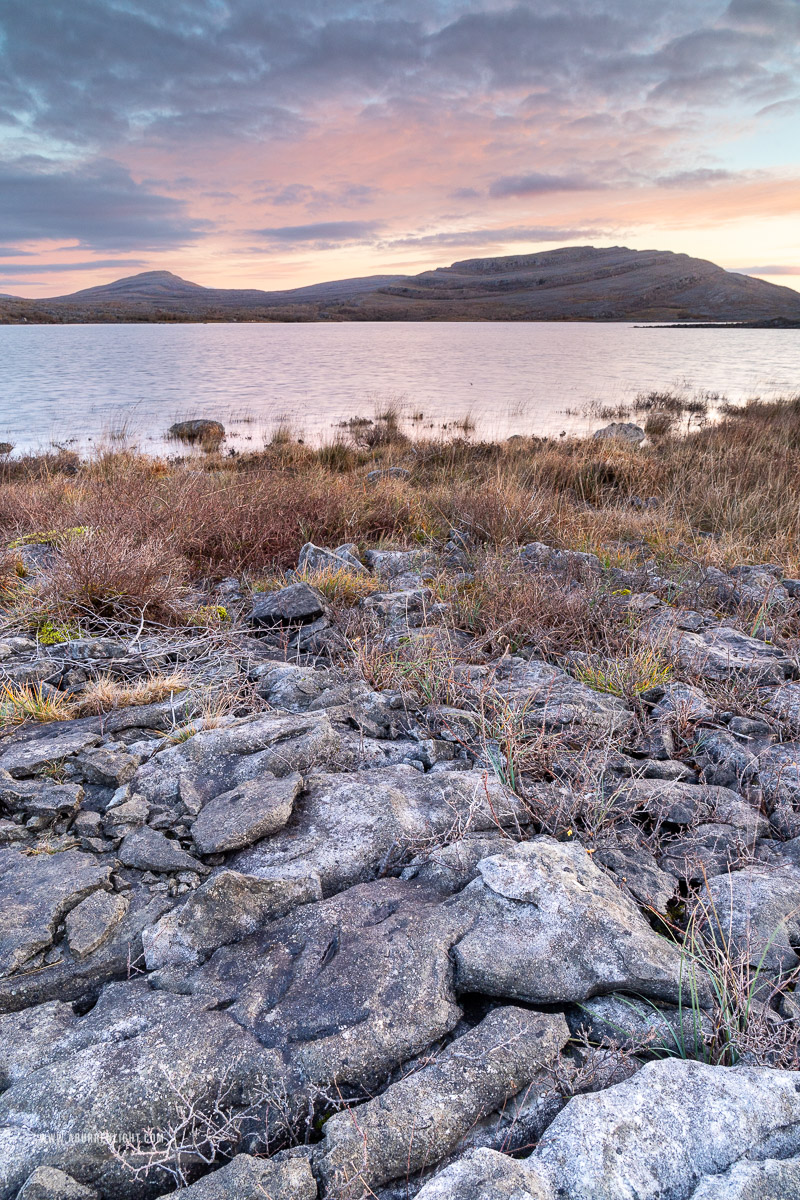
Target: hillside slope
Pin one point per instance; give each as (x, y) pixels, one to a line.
(575, 283)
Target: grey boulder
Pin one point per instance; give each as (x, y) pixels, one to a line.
(248, 1178)
(350, 827)
(48, 1183)
(755, 913)
(214, 761)
(36, 893)
(297, 604)
(773, 1179)
(662, 1132)
(488, 1175)
(92, 922)
(421, 1118)
(225, 909)
(549, 927)
(148, 850)
(249, 812)
(547, 698)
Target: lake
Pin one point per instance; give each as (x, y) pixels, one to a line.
(74, 384)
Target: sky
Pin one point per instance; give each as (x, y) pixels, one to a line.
(257, 143)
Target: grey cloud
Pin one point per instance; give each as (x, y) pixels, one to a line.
(99, 206)
(702, 177)
(537, 184)
(496, 237)
(322, 234)
(19, 269)
(769, 270)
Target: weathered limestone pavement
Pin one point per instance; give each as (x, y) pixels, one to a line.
(327, 949)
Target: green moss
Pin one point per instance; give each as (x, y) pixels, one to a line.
(50, 634)
(48, 537)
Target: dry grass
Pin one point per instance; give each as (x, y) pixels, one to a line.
(29, 703)
(104, 694)
(112, 573)
(723, 493)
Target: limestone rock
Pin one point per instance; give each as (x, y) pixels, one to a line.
(92, 921)
(756, 912)
(36, 893)
(550, 927)
(547, 698)
(346, 989)
(39, 797)
(218, 760)
(297, 604)
(148, 850)
(637, 1024)
(201, 429)
(621, 431)
(350, 827)
(488, 1175)
(225, 909)
(420, 1119)
(248, 1178)
(316, 558)
(662, 1132)
(784, 703)
(48, 1183)
(27, 757)
(720, 652)
(773, 1179)
(131, 1064)
(246, 814)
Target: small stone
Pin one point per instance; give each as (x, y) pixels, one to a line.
(93, 920)
(246, 814)
(298, 604)
(147, 849)
(201, 430)
(621, 431)
(48, 1183)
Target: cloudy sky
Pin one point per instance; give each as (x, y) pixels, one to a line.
(270, 144)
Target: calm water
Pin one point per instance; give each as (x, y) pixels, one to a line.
(75, 383)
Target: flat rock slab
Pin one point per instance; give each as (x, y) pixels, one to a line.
(420, 1119)
(47, 1183)
(36, 893)
(218, 760)
(721, 653)
(773, 1179)
(548, 927)
(27, 758)
(92, 921)
(225, 909)
(784, 703)
(246, 814)
(298, 604)
(548, 699)
(488, 1175)
(756, 911)
(38, 797)
(148, 850)
(248, 1178)
(351, 827)
(132, 1064)
(346, 989)
(662, 1132)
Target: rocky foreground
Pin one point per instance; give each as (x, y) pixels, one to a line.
(335, 947)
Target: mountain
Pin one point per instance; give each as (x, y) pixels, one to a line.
(578, 283)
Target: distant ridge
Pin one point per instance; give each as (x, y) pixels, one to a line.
(578, 283)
